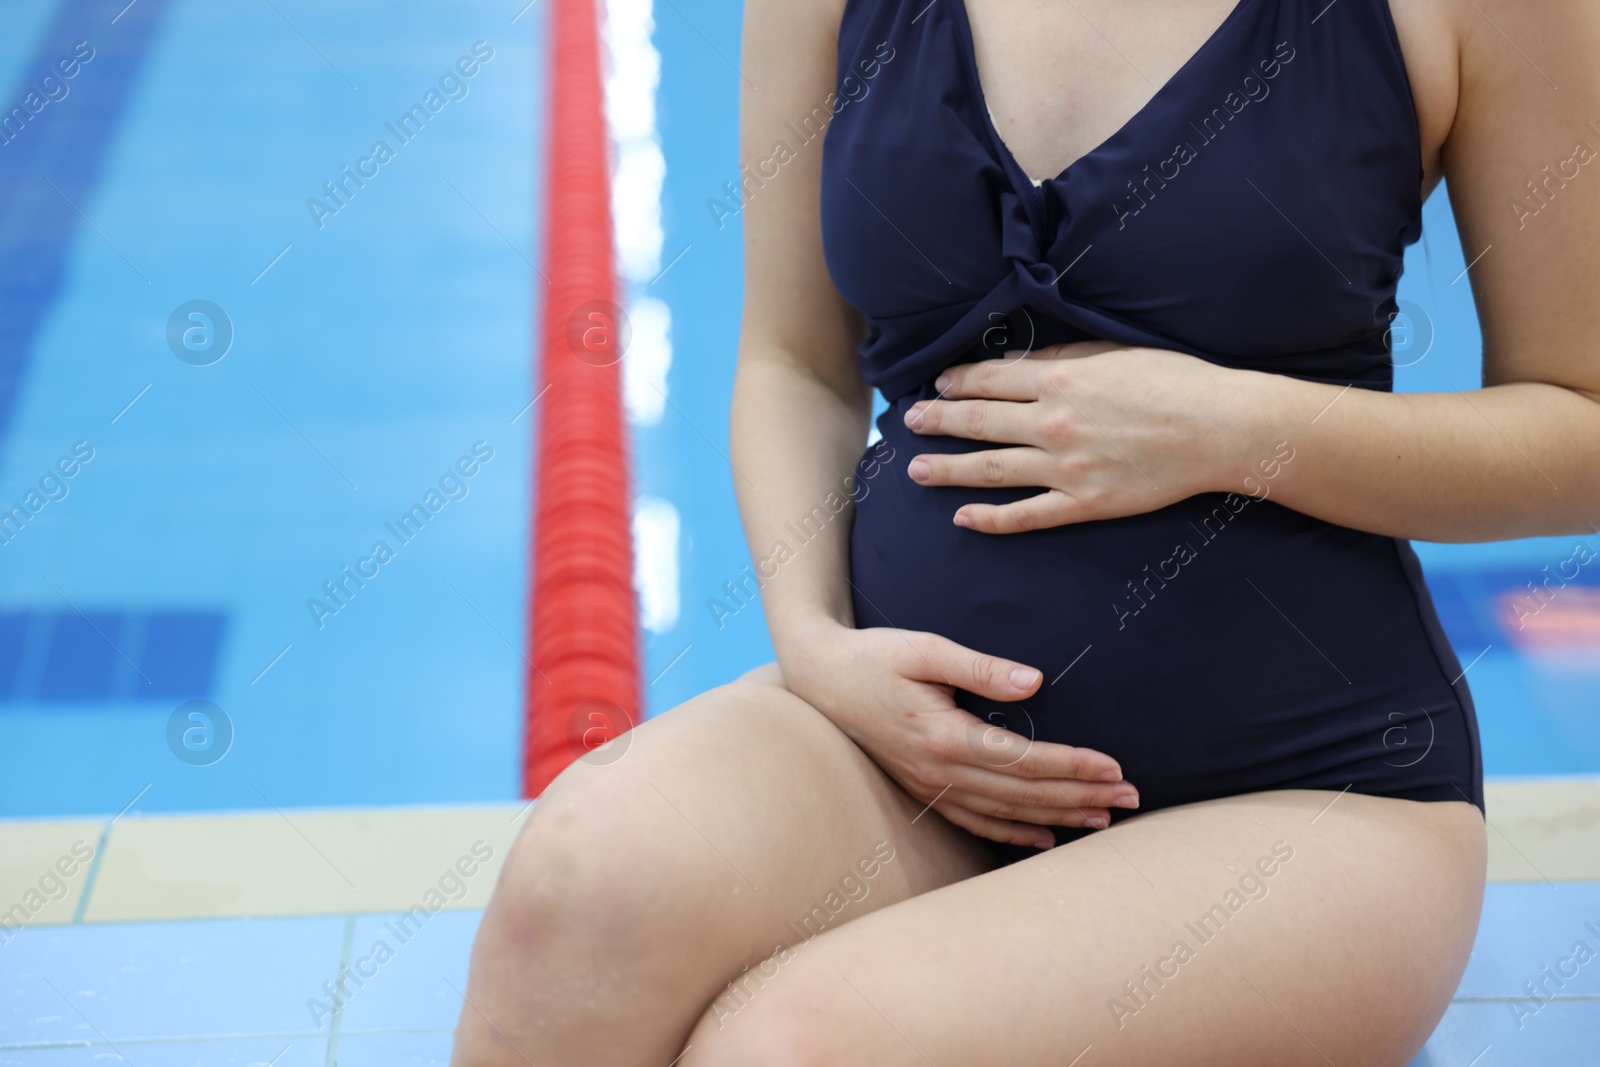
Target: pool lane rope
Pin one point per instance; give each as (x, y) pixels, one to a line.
(582, 680)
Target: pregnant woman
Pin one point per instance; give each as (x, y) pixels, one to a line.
(1112, 722)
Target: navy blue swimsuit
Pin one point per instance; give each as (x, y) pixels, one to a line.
(1253, 214)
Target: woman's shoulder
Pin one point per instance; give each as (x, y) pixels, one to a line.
(1430, 39)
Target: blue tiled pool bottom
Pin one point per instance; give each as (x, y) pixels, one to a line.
(98, 656)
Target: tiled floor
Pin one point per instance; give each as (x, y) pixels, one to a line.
(215, 939)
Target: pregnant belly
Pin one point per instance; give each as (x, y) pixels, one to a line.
(1220, 645)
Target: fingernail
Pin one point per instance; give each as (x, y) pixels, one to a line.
(1099, 822)
(962, 519)
(1024, 677)
(1131, 800)
(942, 382)
(916, 411)
(1113, 775)
(919, 470)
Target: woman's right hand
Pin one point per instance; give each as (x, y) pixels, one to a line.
(893, 693)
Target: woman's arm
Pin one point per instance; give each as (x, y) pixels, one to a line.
(1515, 460)
(1120, 432)
(800, 406)
(798, 425)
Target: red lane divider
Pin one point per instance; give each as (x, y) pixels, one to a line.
(582, 683)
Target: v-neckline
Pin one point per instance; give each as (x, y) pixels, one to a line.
(970, 48)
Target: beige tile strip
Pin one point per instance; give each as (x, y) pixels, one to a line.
(1544, 830)
(300, 862)
(44, 867)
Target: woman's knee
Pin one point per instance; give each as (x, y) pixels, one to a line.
(612, 851)
(581, 873)
(544, 928)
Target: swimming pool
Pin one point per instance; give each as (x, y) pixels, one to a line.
(364, 338)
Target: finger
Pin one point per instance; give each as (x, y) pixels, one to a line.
(1051, 761)
(992, 829)
(1002, 421)
(1021, 793)
(938, 659)
(1052, 508)
(991, 468)
(1098, 818)
(1075, 350)
(1012, 378)
(990, 759)
(998, 784)
(1051, 803)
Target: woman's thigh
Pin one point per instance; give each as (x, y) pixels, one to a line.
(648, 875)
(1267, 928)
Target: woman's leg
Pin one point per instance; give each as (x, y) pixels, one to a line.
(739, 822)
(1275, 928)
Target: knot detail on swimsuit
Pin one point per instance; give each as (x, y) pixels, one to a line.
(1247, 214)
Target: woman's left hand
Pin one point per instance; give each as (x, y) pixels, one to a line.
(1106, 430)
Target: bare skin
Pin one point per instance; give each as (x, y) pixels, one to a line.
(635, 918)
(645, 897)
